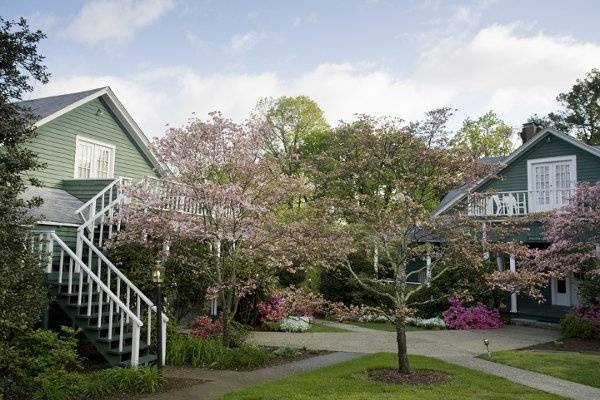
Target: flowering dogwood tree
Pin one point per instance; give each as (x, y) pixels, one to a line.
(376, 183)
(219, 191)
(574, 238)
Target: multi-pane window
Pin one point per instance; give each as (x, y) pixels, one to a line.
(542, 184)
(93, 160)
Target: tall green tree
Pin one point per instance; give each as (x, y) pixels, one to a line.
(375, 182)
(486, 136)
(21, 288)
(580, 110)
(297, 126)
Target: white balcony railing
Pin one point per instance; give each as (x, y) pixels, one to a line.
(514, 203)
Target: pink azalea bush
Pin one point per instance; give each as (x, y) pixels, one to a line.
(458, 316)
(590, 312)
(272, 309)
(204, 326)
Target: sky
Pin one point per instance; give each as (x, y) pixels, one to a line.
(169, 60)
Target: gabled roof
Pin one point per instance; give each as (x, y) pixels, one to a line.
(46, 109)
(458, 194)
(46, 106)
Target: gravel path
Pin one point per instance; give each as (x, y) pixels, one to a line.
(457, 347)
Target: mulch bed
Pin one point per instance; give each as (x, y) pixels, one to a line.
(170, 384)
(416, 377)
(572, 345)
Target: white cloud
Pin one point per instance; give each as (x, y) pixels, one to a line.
(244, 42)
(115, 20)
(497, 68)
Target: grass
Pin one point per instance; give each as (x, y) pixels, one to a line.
(580, 368)
(348, 381)
(319, 328)
(385, 326)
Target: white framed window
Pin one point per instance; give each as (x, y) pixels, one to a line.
(93, 159)
(551, 182)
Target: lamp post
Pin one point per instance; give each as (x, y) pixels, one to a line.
(158, 275)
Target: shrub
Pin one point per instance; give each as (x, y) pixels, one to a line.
(477, 317)
(210, 353)
(26, 359)
(582, 322)
(573, 326)
(204, 326)
(430, 323)
(295, 324)
(63, 385)
(272, 309)
(45, 366)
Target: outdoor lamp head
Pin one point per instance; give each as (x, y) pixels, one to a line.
(486, 342)
(158, 274)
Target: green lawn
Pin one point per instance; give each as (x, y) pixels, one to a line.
(348, 381)
(580, 368)
(384, 326)
(318, 328)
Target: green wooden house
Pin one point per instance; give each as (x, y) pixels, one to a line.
(539, 176)
(91, 148)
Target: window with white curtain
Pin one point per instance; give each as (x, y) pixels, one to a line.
(93, 159)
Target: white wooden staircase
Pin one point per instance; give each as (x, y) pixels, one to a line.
(110, 310)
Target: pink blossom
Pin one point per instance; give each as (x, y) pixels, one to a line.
(477, 317)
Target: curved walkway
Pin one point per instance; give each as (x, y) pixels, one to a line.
(458, 347)
(218, 383)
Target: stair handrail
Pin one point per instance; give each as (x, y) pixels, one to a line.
(96, 279)
(122, 276)
(92, 220)
(98, 195)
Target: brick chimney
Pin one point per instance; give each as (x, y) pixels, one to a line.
(530, 129)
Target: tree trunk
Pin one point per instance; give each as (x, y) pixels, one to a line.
(403, 365)
(225, 322)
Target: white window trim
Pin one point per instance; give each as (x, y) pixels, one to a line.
(80, 138)
(530, 162)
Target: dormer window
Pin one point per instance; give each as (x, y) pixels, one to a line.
(93, 159)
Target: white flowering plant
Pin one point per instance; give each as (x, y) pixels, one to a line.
(295, 324)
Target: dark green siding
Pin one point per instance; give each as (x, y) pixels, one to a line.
(55, 144)
(514, 176)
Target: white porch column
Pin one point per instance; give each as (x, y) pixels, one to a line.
(513, 296)
(428, 270)
(486, 254)
(500, 262)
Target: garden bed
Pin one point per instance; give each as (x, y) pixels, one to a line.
(169, 384)
(571, 345)
(210, 353)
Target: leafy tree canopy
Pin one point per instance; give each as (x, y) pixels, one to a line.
(580, 110)
(296, 126)
(21, 293)
(486, 136)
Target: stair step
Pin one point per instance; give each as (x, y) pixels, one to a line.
(85, 304)
(94, 316)
(147, 359)
(126, 350)
(115, 338)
